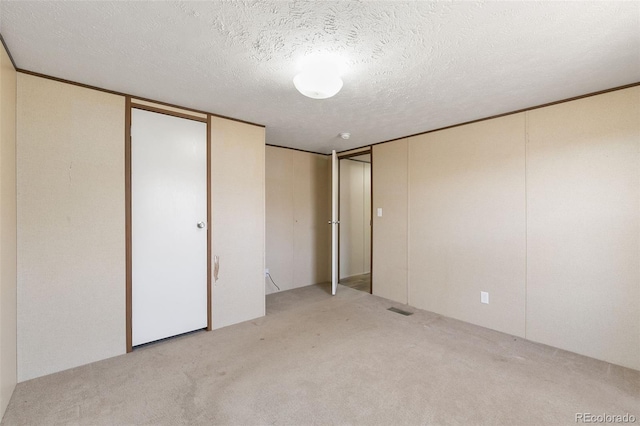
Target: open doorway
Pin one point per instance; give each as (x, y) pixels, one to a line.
(355, 221)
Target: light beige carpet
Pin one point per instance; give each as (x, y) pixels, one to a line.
(317, 359)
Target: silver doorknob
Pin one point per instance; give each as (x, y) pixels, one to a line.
(201, 225)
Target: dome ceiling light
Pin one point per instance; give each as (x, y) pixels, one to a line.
(320, 77)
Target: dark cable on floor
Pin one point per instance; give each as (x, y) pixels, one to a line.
(274, 283)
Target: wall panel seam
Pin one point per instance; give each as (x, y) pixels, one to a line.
(407, 230)
(526, 221)
(293, 224)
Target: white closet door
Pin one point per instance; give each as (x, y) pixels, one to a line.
(168, 225)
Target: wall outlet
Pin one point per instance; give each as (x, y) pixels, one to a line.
(484, 297)
(266, 272)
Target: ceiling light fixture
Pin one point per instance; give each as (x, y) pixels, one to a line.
(317, 85)
(319, 77)
(345, 135)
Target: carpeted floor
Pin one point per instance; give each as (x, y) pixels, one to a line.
(317, 359)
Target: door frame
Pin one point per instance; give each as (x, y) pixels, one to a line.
(346, 157)
(182, 113)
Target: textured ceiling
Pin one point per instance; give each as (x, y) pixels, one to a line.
(412, 66)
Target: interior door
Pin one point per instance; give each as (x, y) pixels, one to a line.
(335, 187)
(168, 229)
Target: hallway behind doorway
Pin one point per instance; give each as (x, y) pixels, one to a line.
(355, 221)
(358, 282)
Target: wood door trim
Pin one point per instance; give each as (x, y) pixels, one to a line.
(355, 154)
(357, 161)
(127, 191)
(348, 157)
(339, 227)
(167, 112)
(371, 223)
(296, 149)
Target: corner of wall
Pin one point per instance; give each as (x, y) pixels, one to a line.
(8, 229)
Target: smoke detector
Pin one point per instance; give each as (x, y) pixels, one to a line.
(345, 135)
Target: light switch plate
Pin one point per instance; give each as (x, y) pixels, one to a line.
(484, 297)
(379, 212)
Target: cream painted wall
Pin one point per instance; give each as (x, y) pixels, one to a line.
(8, 229)
(312, 233)
(298, 208)
(71, 234)
(467, 223)
(389, 174)
(583, 227)
(355, 216)
(238, 220)
(280, 218)
(541, 209)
